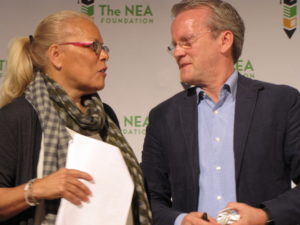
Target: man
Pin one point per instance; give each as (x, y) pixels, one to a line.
(227, 142)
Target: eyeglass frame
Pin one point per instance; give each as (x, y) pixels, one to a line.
(96, 46)
(186, 44)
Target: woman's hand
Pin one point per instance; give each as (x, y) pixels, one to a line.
(63, 183)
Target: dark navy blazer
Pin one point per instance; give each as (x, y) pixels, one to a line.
(266, 151)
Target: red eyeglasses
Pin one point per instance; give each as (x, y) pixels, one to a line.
(96, 46)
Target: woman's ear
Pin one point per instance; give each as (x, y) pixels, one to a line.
(55, 56)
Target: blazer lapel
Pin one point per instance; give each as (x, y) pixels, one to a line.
(188, 120)
(188, 124)
(246, 98)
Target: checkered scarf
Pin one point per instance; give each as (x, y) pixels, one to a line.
(56, 111)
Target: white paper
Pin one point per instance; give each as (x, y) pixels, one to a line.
(113, 188)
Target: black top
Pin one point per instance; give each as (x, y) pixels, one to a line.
(20, 141)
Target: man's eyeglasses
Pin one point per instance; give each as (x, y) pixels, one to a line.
(96, 46)
(186, 43)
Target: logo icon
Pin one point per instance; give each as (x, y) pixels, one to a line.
(2, 66)
(289, 17)
(88, 7)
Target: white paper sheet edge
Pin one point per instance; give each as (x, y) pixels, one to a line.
(112, 190)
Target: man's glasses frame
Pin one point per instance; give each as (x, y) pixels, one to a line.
(187, 43)
(96, 46)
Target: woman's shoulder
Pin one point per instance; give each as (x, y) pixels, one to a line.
(18, 109)
(19, 104)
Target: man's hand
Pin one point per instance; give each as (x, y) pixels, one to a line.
(249, 215)
(194, 218)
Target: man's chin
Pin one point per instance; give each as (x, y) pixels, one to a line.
(185, 85)
(185, 79)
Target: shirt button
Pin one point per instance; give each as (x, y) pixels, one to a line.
(219, 197)
(218, 168)
(216, 112)
(217, 139)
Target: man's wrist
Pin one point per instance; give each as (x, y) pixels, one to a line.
(179, 219)
(269, 217)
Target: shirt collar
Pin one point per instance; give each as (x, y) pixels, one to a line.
(230, 85)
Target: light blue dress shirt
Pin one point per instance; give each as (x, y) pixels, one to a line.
(216, 156)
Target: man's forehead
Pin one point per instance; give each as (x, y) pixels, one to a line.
(191, 17)
(188, 23)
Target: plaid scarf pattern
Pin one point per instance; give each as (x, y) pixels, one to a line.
(56, 111)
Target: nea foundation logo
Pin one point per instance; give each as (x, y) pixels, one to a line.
(245, 67)
(111, 14)
(290, 19)
(135, 124)
(126, 14)
(87, 7)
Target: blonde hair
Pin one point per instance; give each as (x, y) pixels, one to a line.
(224, 17)
(25, 55)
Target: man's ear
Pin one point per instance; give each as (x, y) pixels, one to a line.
(227, 39)
(55, 56)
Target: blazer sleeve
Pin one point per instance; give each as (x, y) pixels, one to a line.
(285, 208)
(154, 166)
